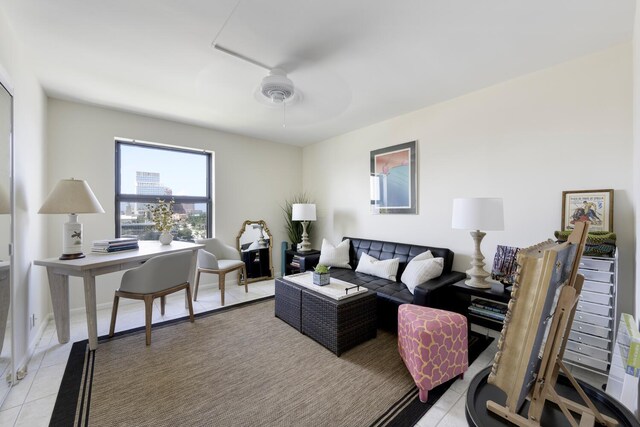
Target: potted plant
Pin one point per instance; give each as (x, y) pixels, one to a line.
(321, 275)
(162, 217)
(294, 228)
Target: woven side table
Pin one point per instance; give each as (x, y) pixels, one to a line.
(336, 324)
(288, 298)
(339, 324)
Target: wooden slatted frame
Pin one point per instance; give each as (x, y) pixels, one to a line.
(551, 363)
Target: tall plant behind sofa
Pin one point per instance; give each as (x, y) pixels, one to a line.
(294, 228)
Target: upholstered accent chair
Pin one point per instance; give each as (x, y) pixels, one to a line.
(158, 277)
(219, 258)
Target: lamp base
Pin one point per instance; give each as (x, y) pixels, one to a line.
(66, 257)
(305, 245)
(72, 239)
(304, 248)
(475, 282)
(477, 274)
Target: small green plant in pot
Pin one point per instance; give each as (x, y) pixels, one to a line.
(321, 275)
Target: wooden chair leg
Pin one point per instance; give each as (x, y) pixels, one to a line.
(188, 289)
(148, 314)
(195, 292)
(162, 303)
(221, 282)
(244, 274)
(114, 312)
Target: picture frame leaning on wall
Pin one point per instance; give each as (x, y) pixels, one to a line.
(595, 206)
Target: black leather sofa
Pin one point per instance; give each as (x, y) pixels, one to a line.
(391, 294)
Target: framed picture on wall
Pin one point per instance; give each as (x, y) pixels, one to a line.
(393, 179)
(594, 206)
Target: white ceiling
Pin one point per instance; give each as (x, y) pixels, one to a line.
(356, 62)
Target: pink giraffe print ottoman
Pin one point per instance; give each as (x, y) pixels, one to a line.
(432, 344)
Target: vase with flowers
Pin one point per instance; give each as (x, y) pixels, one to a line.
(162, 217)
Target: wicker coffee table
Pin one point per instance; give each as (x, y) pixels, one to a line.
(336, 324)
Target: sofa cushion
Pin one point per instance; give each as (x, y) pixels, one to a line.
(387, 289)
(385, 269)
(422, 256)
(389, 250)
(420, 270)
(335, 256)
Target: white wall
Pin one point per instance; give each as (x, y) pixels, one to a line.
(31, 293)
(636, 147)
(564, 128)
(252, 177)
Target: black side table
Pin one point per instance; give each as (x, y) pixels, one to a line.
(298, 262)
(462, 296)
(257, 262)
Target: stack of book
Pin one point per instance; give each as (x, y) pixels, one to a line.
(295, 261)
(115, 245)
(490, 309)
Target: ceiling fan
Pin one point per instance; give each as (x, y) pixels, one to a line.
(276, 88)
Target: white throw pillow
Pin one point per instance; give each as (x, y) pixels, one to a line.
(420, 271)
(424, 255)
(386, 269)
(335, 256)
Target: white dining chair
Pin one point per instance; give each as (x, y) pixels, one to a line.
(157, 277)
(218, 258)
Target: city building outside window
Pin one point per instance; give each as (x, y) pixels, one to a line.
(148, 173)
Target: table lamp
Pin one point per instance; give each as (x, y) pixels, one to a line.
(262, 242)
(71, 196)
(304, 212)
(477, 214)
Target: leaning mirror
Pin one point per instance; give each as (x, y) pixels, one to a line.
(6, 348)
(254, 242)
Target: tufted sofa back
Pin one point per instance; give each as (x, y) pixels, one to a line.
(389, 250)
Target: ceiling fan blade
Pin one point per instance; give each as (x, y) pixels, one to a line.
(240, 56)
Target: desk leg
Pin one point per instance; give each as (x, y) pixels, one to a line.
(59, 288)
(90, 307)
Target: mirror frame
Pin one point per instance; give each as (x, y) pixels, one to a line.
(5, 83)
(265, 228)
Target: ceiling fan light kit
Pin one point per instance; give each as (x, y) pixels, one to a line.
(277, 87)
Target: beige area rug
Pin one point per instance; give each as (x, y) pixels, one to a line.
(239, 367)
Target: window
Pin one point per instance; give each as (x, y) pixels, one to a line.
(146, 173)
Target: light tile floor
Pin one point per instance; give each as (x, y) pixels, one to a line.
(30, 402)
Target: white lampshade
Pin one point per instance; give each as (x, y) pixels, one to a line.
(71, 196)
(477, 214)
(303, 212)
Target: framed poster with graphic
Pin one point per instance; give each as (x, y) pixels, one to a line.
(393, 179)
(595, 206)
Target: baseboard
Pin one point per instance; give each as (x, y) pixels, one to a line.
(31, 349)
(124, 301)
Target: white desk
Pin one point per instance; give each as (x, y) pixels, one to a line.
(94, 265)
